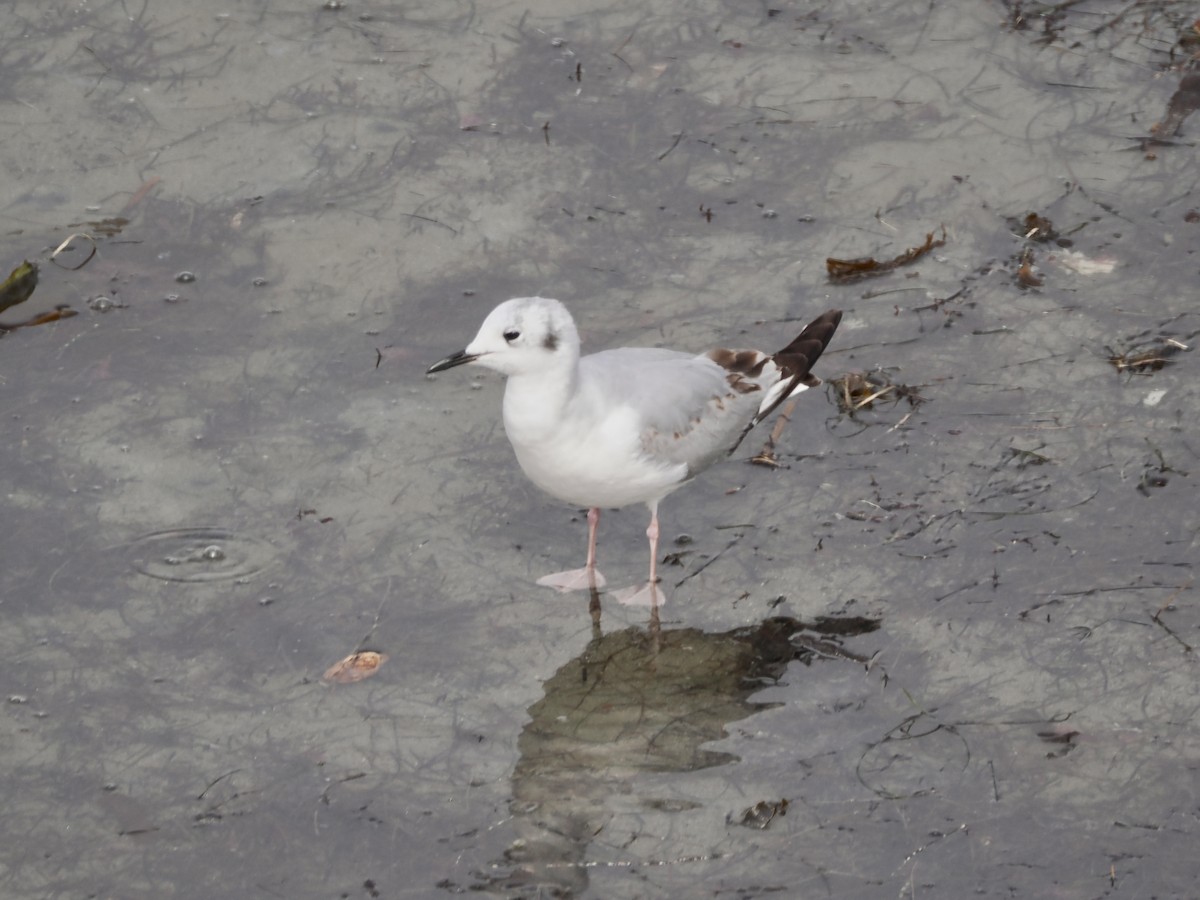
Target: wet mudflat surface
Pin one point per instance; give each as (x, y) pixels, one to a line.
(944, 648)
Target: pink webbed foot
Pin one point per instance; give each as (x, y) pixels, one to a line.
(574, 580)
(646, 595)
(649, 594)
(586, 579)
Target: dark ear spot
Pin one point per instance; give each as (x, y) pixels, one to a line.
(551, 341)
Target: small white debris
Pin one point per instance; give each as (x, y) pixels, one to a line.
(1085, 265)
(1154, 398)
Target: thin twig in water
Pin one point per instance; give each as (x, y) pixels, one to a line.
(665, 153)
(1187, 648)
(708, 562)
(766, 456)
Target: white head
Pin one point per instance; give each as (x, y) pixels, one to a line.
(522, 336)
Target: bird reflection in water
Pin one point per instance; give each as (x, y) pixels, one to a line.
(639, 700)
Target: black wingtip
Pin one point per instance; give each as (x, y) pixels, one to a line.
(812, 341)
(796, 360)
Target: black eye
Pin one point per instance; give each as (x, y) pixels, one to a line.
(511, 336)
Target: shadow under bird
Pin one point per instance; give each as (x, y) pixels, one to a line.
(628, 425)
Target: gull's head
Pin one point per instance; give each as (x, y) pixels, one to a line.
(523, 336)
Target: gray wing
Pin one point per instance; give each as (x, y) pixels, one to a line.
(691, 411)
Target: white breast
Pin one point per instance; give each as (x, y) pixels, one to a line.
(583, 447)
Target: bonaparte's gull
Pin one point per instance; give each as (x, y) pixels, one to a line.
(628, 425)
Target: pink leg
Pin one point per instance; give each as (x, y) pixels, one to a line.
(593, 526)
(652, 535)
(650, 595)
(583, 579)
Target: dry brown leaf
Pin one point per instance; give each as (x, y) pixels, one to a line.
(355, 667)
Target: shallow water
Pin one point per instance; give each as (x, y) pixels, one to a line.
(217, 487)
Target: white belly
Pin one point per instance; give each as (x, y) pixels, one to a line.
(598, 464)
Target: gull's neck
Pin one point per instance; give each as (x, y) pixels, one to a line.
(535, 403)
